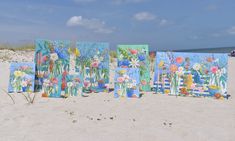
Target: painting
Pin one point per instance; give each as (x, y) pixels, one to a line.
(191, 74)
(22, 77)
(126, 83)
(52, 86)
(51, 57)
(136, 56)
(92, 62)
(73, 86)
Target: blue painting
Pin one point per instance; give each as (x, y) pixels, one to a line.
(51, 58)
(136, 56)
(127, 82)
(73, 86)
(92, 62)
(191, 74)
(22, 77)
(52, 86)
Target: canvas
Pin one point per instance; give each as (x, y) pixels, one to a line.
(127, 82)
(74, 85)
(52, 86)
(191, 74)
(22, 77)
(136, 56)
(92, 62)
(51, 57)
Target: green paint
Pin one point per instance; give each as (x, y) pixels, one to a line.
(136, 56)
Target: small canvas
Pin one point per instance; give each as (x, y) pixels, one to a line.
(22, 77)
(92, 62)
(52, 86)
(136, 56)
(127, 83)
(191, 74)
(74, 85)
(51, 57)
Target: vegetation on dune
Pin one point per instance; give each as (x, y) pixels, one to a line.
(30, 47)
(17, 47)
(113, 56)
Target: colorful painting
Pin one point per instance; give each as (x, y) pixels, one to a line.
(127, 82)
(92, 62)
(22, 77)
(52, 86)
(51, 57)
(74, 85)
(191, 74)
(136, 56)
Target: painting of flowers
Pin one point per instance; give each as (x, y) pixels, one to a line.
(51, 57)
(22, 77)
(136, 56)
(127, 82)
(191, 74)
(73, 86)
(52, 86)
(92, 62)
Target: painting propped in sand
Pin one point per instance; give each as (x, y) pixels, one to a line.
(191, 74)
(126, 82)
(93, 63)
(22, 77)
(74, 85)
(52, 86)
(51, 57)
(136, 56)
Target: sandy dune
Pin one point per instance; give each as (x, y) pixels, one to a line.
(100, 117)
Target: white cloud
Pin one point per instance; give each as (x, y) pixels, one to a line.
(147, 16)
(93, 24)
(127, 1)
(194, 37)
(144, 16)
(83, 1)
(212, 7)
(231, 30)
(216, 35)
(163, 22)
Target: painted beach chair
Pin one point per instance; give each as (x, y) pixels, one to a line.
(191, 74)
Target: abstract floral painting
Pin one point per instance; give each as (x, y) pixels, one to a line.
(22, 77)
(126, 82)
(52, 86)
(92, 62)
(74, 85)
(191, 74)
(136, 56)
(51, 57)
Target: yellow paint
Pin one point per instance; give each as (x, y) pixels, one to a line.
(189, 81)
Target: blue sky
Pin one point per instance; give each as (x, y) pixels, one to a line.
(163, 24)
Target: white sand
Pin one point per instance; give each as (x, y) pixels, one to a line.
(101, 117)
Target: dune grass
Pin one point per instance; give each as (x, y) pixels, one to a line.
(25, 47)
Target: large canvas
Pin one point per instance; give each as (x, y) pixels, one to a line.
(136, 56)
(51, 57)
(93, 63)
(191, 74)
(126, 82)
(52, 86)
(74, 85)
(22, 77)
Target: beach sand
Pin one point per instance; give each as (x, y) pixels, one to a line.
(101, 117)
